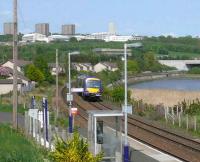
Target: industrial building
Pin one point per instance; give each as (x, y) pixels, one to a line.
(111, 51)
(42, 28)
(8, 28)
(68, 29)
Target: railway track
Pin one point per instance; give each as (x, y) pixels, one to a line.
(165, 140)
(150, 133)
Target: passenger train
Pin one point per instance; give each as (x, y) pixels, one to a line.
(92, 87)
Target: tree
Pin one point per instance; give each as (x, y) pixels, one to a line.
(42, 65)
(133, 67)
(34, 74)
(118, 94)
(73, 150)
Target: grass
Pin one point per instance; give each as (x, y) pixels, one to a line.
(14, 147)
(8, 108)
(191, 55)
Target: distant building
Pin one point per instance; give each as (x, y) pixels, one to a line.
(105, 66)
(33, 37)
(20, 64)
(68, 29)
(110, 51)
(8, 28)
(108, 37)
(52, 66)
(82, 66)
(6, 85)
(58, 38)
(42, 28)
(112, 28)
(98, 36)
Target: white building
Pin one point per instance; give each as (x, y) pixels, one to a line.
(58, 38)
(82, 66)
(6, 85)
(33, 37)
(52, 67)
(112, 28)
(105, 66)
(20, 64)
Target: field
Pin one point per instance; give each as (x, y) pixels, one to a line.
(165, 97)
(15, 147)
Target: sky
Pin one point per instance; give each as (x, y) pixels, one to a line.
(140, 17)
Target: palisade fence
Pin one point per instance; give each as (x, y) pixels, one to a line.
(38, 127)
(172, 115)
(176, 116)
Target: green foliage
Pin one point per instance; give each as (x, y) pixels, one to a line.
(6, 38)
(117, 93)
(194, 108)
(194, 70)
(9, 108)
(33, 73)
(73, 150)
(133, 67)
(15, 148)
(108, 76)
(41, 63)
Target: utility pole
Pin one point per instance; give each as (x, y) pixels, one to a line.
(57, 71)
(15, 53)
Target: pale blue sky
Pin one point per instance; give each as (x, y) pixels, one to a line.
(143, 17)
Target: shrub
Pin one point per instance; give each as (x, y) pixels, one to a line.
(75, 149)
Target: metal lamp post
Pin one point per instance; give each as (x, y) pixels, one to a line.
(126, 146)
(70, 96)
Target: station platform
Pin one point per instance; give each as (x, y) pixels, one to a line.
(151, 153)
(141, 152)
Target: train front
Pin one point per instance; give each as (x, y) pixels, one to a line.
(93, 88)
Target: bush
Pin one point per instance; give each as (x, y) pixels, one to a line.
(74, 149)
(195, 70)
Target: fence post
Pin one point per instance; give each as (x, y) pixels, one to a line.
(177, 111)
(195, 123)
(39, 131)
(167, 111)
(187, 120)
(50, 135)
(172, 115)
(179, 119)
(26, 123)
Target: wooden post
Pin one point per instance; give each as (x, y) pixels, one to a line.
(39, 130)
(167, 111)
(187, 120)
(44, 133)
(15, 56)
(195, 123)
(50, 135)
(179, 119)
(57, 109)
(26, 123)
(36, 128)
(172, 115)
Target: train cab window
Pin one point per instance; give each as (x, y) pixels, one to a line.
(93, 84)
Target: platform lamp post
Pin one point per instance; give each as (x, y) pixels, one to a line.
(126, 146)
(69, 95)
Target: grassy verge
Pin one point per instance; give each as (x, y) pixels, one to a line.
(8, 108)
(15, 147)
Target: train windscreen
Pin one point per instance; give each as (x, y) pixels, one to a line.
(93, 84)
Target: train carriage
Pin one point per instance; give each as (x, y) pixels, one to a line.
(92, 87)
